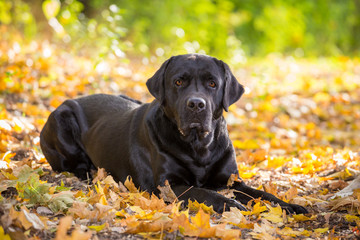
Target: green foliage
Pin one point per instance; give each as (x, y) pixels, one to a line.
(227, 29)
(36, 192)
(32, 189)
(18, 14)
(61, 201)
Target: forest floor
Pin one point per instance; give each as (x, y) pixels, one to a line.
(296, 132)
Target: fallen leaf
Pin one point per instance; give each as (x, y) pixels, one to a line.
(234, 216)
(4, 236)
(167, 193)
(275, 214)
(130, 185)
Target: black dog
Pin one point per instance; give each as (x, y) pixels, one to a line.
(180, 137)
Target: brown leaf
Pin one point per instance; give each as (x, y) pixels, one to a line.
(130, 185)
(154, 203)
(100, 175)
(64, 226)
(122, 188)
(225, 233)
(167, 193)
(344, 203)
(291, 193)
(271, 188)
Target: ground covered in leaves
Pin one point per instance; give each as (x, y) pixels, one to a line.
(296, 132)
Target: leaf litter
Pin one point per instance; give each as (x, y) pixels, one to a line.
(296, 134)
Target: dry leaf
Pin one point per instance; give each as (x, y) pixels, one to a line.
(167, 193)
(100, 175)
(130, 185)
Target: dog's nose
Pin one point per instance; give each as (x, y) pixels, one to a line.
(196, 104)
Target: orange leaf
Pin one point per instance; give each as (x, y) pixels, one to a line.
(130, 185)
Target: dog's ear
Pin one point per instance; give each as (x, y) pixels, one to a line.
(156, 84)
(233, 90)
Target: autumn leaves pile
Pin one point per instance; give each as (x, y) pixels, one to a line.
(296, 132)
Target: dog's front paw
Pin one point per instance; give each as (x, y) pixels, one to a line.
(294, 208)
(233, 203)
(222, 206)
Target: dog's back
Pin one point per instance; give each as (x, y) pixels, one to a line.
(61, 137)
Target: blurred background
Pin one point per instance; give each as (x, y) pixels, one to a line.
(228, 29)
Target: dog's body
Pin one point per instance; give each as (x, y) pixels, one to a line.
(180, 137)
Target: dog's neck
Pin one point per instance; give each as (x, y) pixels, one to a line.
(201, 147)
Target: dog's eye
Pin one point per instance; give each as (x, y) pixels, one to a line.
(212, 84)
(178, 82)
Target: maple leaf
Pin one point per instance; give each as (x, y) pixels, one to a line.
(264, 231)
(130, 185)
(167, 193)
(223, 232)
(27, 219)
(100, 175)
(291, 194)
(290, 132)
(31, 188)
(154, 203)
(194, 206)
(234, 216)
(257, 208)
(275, 214)
(101, 194)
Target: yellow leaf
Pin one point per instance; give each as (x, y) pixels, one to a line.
(100, 191)
(289, 232)
(7, 156)
(247, 175)
(194, 206)
(201, 219)
(256, 209)
(181, 222)
(130, 185)
(8, 175)
(322, 97)
(121, 213)
(98, 228)
(275, 162)
(4, 236)
(302, 217)
(321, 230)
(291, 193)
(199, 226)
(17, 128)
(275, 214)
(247, 144)
(351, 218)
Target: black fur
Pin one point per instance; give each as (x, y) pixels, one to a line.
(181, 136)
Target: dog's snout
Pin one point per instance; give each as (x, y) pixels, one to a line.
(196, 104)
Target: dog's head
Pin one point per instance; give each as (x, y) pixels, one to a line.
(194, 90)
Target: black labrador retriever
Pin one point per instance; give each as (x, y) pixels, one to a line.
(181, 136)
